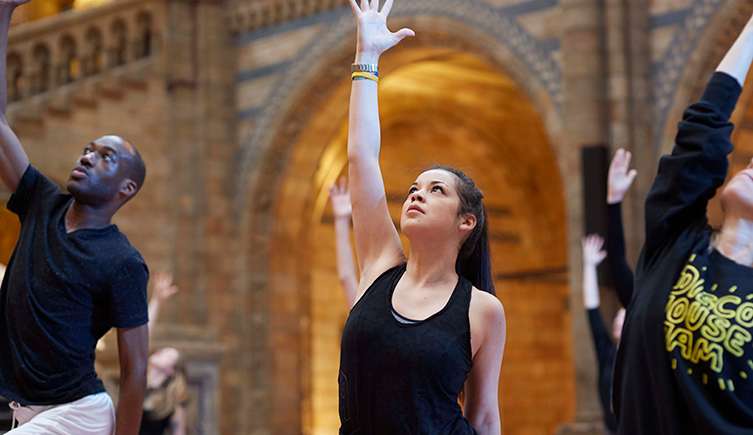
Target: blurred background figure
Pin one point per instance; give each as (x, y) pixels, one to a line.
(342, 211)
(605, 340)
(167, 388)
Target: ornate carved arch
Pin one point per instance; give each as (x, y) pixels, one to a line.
(711, 29)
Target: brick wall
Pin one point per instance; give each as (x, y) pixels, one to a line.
(137, 112)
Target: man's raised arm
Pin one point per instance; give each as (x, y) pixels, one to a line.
(13, 158)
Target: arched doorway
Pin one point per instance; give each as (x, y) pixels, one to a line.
(692, 73)
(441, 106)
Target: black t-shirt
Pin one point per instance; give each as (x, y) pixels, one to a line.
(61, 293)
(685, 362)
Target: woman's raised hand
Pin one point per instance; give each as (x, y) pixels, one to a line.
(374, 38)
(164, 288)
(340, 197)
(620, 176)
(593, 252)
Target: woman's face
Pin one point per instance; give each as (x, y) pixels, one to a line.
(737, 195)
(431, 207)
(165, 360)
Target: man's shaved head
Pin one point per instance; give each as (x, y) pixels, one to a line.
(135, 168)
(109, 170)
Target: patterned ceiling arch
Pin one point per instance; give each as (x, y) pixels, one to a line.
(697, 46)
(535, 66)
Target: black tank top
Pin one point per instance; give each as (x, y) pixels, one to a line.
(401, 377)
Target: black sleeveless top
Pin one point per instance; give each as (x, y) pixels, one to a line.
(402, 377)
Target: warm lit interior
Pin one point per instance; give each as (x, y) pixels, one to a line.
(37, 9)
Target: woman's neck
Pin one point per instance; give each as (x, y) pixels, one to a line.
(735, 240)
(431, 263)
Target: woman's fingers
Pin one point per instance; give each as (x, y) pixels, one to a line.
(620, 159)
(595, 241)
(625, 161)
(354, 7)
(339, 188)
(631, 175)
(404, 33)
(387, 8)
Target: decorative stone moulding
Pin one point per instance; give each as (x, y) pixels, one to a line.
(251, 15)
(60, 50)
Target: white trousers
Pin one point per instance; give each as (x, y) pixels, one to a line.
(91, 415)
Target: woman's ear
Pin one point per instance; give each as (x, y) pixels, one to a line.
(468, 222)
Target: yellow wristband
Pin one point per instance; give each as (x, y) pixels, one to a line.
(364, 75)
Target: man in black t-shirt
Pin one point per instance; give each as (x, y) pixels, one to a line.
(72, 277)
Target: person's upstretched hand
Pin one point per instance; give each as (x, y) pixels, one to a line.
(621, 177)
(164, 288)
(593, 252)
(374, 38)
(340, 197)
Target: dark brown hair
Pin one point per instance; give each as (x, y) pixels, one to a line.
(474, 259)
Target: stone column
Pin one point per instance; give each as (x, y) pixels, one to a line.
(630, 122)
(199, 81)
(223, 301)
(585, 111)
(184, 122)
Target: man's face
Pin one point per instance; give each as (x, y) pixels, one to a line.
(100, 171)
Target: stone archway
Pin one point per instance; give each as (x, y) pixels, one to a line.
(689, 71)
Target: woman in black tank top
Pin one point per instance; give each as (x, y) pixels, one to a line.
(420, 331)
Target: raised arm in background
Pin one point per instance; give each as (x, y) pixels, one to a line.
(342, 211)
(620, 179)
(163, 289)
(604, 347)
